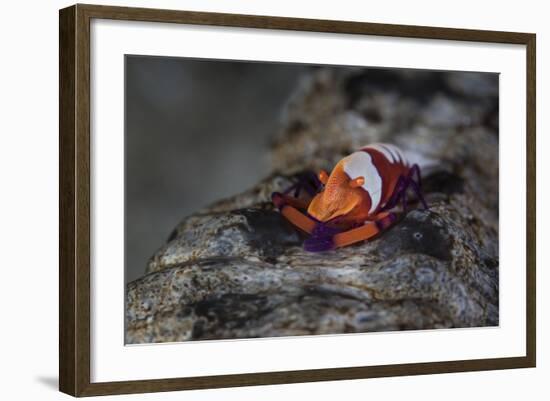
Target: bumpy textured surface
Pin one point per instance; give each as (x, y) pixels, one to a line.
(237, 269)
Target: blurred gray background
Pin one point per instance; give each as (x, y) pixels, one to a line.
(196, 131)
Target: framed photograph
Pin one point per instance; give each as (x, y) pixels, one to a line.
(251, 200)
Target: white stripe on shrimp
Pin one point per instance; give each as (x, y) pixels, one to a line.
(360, 164)
(378, 147)
(393, 152)
(400, 153)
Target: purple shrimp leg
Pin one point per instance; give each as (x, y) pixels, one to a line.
(417, 185)
(308, 182)
(400, 189)
(418, 192)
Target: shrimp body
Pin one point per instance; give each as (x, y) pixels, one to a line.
(360, 185)
(355, 202)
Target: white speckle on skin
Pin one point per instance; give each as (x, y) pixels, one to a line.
(359, 164)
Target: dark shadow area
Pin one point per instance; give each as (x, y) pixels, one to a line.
(49, 381)
(196, 131)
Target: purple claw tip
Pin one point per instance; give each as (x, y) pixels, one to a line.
(321, 238)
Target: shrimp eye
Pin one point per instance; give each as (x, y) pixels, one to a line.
(323, 177)
(357, 182)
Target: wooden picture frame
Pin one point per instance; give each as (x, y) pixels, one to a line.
(74, 206)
